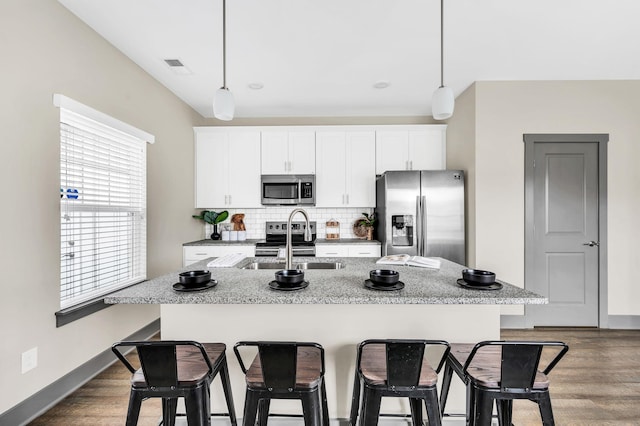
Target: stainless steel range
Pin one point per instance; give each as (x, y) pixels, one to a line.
(276, 237)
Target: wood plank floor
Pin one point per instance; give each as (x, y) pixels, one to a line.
(597, 383)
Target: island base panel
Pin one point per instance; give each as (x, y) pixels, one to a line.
(338, 328)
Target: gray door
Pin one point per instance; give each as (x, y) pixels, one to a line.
(564, 262)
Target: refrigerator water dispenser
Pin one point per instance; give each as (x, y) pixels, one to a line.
(402, 230)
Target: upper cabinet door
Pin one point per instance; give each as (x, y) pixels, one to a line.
(392, 150)
(345, 169)
(302, 152)
(361, 169)
(227, 168)
(330, 176)
(211, 153)
(275, 152)
(288, 152)
(415, 148)
(244, 169)
(427, 149)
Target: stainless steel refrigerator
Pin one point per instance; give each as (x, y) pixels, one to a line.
(421, 212)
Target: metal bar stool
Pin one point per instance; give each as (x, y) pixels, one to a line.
(501, 371)
(396, 368)
(176, 369)
(285, 370)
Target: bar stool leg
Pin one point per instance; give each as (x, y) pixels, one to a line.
(433, 412)
(355, 400)
(416, 411)
(250, 409)
(446, 383)
(546, 413)
(195, 407)
(169, 408)
(370, 407)
(483, 409)
(325, 407)
(263, 411)
(310, 409)
(133, 412)
(226, 387)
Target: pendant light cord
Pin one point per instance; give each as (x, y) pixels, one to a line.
(224, 44)
(441, 43)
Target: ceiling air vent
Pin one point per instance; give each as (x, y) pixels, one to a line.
(177, 66)
(174, 62)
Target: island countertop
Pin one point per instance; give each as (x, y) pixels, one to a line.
(326, 286)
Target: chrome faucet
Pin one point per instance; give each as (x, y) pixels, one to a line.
(307, 234)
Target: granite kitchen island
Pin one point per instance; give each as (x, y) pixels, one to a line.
(335, 310)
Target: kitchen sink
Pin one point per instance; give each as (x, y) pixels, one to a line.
(264, 265)
(301, 265)
(320, 265)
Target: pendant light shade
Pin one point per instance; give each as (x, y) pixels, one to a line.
(443, 101)
(223, 104)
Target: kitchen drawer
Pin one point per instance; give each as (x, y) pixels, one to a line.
(193, 254)
(364, 250)
(348, 250)
(332, 250)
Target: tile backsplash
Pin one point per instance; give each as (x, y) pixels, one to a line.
(254, 219)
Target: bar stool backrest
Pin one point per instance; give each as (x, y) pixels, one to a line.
(519, 366)
(279, 365)
(159, 365)
(404, 363)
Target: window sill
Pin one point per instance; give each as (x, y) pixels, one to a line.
(66, 316)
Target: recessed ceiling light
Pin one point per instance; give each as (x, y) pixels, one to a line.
(256, 86)
(381, 84)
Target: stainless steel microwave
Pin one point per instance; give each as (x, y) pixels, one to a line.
(289, 190)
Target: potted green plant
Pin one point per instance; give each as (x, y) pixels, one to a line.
(213, 218)
(367, 222)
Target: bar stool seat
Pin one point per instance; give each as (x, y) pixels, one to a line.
(176, 369)
(285, 370)
(501, 371)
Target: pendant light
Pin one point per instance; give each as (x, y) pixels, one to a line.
(443, 102)
(223, 103)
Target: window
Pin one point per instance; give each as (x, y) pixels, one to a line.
(102, 203)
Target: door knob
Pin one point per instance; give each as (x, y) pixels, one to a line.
(592, 244)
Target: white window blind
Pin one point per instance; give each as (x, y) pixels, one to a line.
(102, 208)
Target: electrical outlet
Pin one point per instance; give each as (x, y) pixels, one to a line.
(29, 359)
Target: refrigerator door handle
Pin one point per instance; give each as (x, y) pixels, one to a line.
(423, 225)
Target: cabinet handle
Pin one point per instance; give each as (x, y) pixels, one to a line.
(347, 198)
(230, 199)
(406, 165)
(410, 164)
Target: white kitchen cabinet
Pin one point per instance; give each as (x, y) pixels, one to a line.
(227, 168)
(345, 175)
(411, 148)
(193, 254)
(348, 250)
(288, 152)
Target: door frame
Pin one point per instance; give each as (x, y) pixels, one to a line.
(530, 139)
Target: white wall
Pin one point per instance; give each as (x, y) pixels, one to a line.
(47, 50)
(507, 110)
